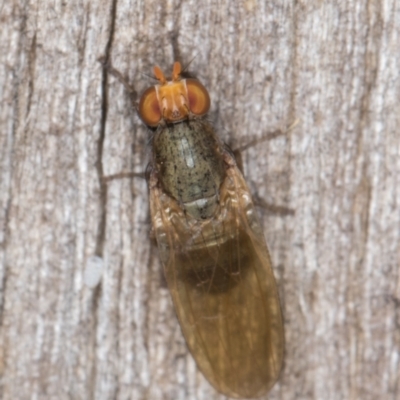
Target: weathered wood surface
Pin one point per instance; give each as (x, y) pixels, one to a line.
(64, 123)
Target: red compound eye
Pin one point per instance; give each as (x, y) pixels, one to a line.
(173, 100)
(149, 108)
(199, 99)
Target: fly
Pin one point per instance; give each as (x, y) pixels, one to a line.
(211, 244)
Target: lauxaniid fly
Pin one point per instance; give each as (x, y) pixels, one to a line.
(215, 259)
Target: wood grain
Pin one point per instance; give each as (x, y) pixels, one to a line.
(65, 123)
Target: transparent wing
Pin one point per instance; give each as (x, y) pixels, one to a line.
(221, 282)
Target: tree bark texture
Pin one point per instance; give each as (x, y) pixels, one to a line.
(331, 66)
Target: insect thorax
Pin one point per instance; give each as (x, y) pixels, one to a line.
(189, 164)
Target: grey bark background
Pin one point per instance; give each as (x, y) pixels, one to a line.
(333, 66)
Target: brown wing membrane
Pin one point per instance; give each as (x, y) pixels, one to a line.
(220, 278)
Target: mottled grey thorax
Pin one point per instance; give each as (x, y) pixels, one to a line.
(190, 168)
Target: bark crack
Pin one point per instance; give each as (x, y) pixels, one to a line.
(100, 143)
(101, 230)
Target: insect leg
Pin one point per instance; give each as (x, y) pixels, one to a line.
(122, 175)
(271, 208)
(117, 74)
(266, 137)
